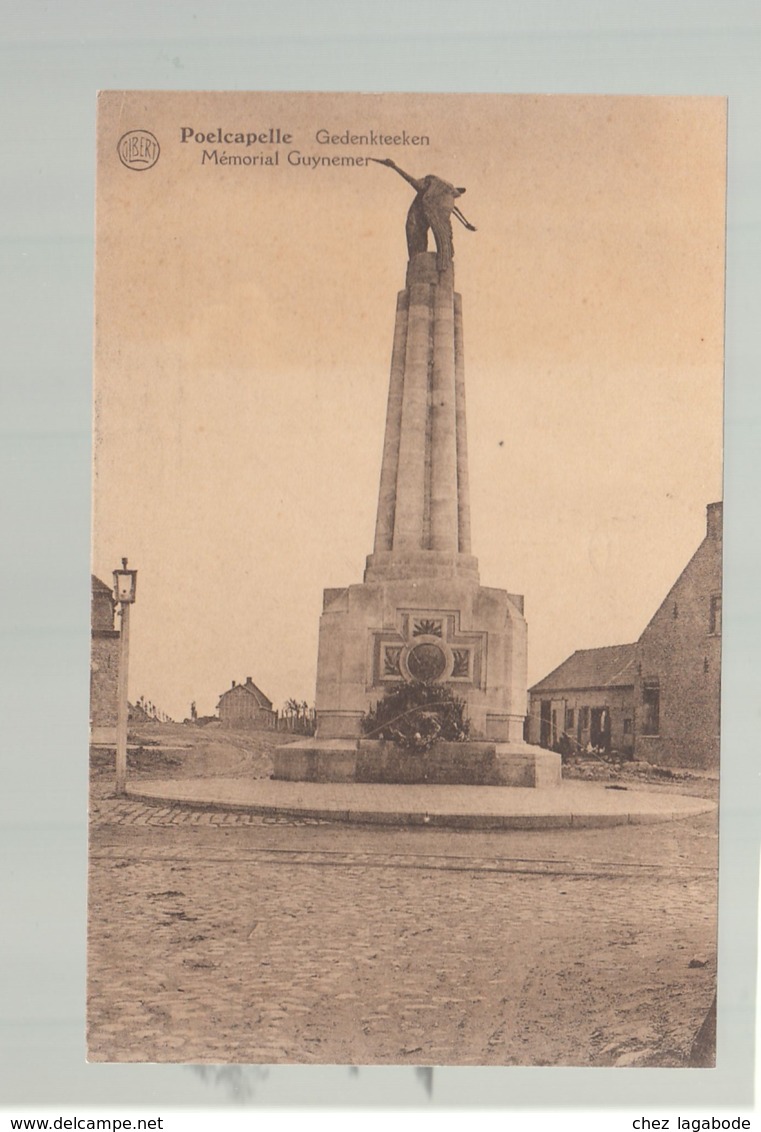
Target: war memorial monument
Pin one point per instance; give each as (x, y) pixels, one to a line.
(421, 615)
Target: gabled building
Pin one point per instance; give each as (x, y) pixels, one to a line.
(104, 662)
(589, 699)
(657, 700)
(245, 705)
(678, 674)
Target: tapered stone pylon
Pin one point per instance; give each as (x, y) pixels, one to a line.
(423, 504)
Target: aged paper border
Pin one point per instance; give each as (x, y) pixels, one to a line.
(49, 518)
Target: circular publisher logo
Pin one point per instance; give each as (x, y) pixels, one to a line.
(138, 149)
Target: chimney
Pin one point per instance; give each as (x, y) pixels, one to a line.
(233, 684)
(249, 680)
(714, 520)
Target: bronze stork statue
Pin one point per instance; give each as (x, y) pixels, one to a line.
(432, 208)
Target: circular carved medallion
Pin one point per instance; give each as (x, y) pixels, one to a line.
(426, 662)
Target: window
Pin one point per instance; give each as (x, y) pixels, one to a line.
(651, 708)
(570, 716)
(714, 617)
(584, 718)
(628, 728)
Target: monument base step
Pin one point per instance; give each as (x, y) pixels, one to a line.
(473, 763)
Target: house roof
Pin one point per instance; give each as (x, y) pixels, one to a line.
(609, 667)
(100, 587)
(252, 689)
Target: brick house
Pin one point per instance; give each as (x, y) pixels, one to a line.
(659, 699)
(678, 675)
(104, 662)
(245, 705)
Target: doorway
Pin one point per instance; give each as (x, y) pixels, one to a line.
(599, 729)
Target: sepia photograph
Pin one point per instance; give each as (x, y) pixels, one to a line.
(406, 579)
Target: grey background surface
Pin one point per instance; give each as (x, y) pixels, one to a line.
(54, 58)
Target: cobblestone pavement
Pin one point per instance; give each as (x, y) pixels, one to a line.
(232, 937)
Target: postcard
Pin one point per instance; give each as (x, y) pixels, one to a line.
(406, 594)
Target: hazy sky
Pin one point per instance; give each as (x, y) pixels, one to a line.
(244, 326)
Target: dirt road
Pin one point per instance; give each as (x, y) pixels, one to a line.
(235, 938)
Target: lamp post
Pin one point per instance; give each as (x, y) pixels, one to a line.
(125, 584)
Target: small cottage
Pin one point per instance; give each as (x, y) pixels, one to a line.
(245, 705)
(588, 700)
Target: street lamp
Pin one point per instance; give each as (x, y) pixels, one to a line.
(125, 585)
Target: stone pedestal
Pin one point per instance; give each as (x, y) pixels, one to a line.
(436, 629)
(446, 764)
